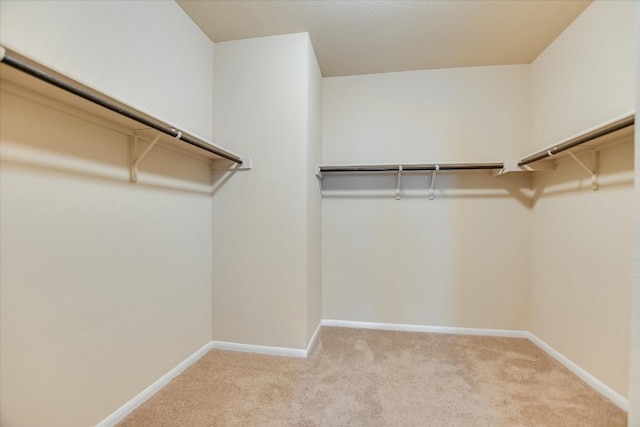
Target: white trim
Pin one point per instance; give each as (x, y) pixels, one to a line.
(259, 349)
(314, 338)
(145, 394)
(592, 381)
(270, 351)
(585, 376)
(422, 328)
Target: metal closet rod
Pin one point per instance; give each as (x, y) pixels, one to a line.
(580, 139)
(66, 84)
(410, 168)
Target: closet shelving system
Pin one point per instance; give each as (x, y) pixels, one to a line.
(593, 139)
(19, 72)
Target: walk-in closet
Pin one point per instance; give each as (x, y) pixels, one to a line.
(319, 213)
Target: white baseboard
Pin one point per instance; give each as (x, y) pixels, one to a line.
(138, 400)
(259, 349)
(314, 339)
(592, 381)
(270, 351)
(422, 328)
(145, 394)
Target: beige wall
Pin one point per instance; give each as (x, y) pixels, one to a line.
(471, 114)
(132, 50)
(105, 284)
(634, 376)
(314, 197)
(122, 289)
(264, 225)
(428, 262)
(582, 240)
(459, 260)
(582, 264)
(585, 77)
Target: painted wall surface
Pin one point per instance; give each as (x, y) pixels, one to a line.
(634, 376)
(263, 222)
(586, 76)
(459, 260)
(314, 197)
(104, 284)
(475, 114)
(582, 245)
(134, 50)
(582, 264)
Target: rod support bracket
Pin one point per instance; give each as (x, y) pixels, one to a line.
(135, 162)
(433, 182)
(591, 171)
(511, 166)
(399, 181)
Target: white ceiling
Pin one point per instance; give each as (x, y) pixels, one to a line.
(376, 36)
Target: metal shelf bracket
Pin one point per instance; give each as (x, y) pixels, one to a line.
(135, 162)
(399, 180)
(591, 171)
(433, 182)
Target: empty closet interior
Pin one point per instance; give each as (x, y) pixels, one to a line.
(162, 194)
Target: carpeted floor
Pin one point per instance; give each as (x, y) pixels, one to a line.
(368, 378)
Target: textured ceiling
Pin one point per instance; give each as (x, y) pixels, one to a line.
(363, 37)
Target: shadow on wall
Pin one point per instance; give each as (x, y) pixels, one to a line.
(615, 170)
(462, 259)
(66, 144)
(457, 260)
(448, 185)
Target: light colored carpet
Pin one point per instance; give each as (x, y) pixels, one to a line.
(368, 378)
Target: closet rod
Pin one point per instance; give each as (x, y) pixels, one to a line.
(411, 168)
(614, 126)
(33, 69)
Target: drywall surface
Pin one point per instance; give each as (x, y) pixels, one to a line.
(262, 223)
(105, 284)
(314, 197)
(475, 114)
(149, 54)
(464, 114)
(582, 245)
(634, 375)
(582, 264)
(461, 259)
(586, 76)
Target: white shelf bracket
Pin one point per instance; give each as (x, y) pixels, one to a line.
(511, 166)
(399, 180)
(593, 172)
(319, 173)
(133, 167)
(433, 182)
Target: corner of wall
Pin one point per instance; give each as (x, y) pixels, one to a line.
(572, 304)
(314, 207)
(269, 83)
(634, 375)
